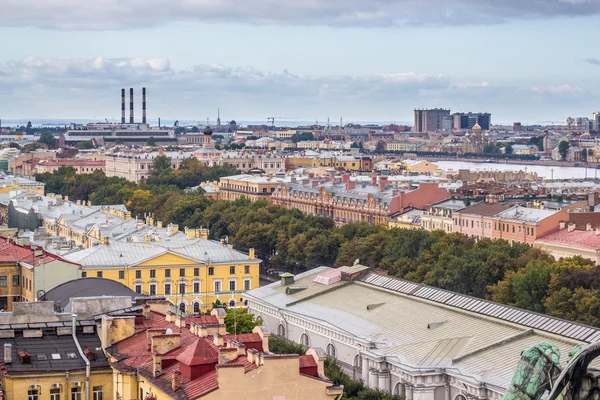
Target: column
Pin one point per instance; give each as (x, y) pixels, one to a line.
(384, 381)
(409, 392)
(365, 371)
(373, 379)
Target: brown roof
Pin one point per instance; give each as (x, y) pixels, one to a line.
(485, 209)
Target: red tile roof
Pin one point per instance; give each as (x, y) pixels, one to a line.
(307, 361)
(199, 352)
(202, 320)
(582, 239)
(12, 252)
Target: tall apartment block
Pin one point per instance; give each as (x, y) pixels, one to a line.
(468, 120)
(430, 120)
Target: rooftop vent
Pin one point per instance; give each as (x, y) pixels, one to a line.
(373, 306)
(434, 325)
(287, 279)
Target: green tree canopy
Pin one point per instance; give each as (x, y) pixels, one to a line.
(151, 141)
(48, 139)
(563, 148)
(239, 320)
(380, 147)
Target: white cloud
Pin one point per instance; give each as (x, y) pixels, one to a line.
(130, 14)
(85, 88)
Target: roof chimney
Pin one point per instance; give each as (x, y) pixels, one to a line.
(176, 380)
(131, 105)
(122, 106)
(143, 105)
(7, 353)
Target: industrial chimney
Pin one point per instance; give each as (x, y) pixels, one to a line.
(122, 106)
(131, 106)
(143, 105)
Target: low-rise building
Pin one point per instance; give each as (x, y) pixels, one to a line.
(410, 219)
(525, 225)
(54, 360)
(135, 166)
(409, 339)
(23, 165)
(571, 242)
(419, 167)
(347, 200)
(439, 216)
(252, 187)
(166, 355)
(190, 271)
(82, 166)
(478, 220)
(28, 270)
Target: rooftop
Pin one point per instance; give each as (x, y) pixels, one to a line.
(526, 215)
(576, 238)
(485, 209)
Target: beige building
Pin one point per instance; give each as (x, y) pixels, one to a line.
(420, 166)
(570, 242)
(134, 166)
(438, 216)
(25, 163)
(80, 166)
(252, 187)
(162, 354)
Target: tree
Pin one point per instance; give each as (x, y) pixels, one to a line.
(239, 320)
(48, 139)
(563, 148)
(302, 137)
(151, 141)
(161, 164)
(508, 149)
(85, 145)
(380, 148)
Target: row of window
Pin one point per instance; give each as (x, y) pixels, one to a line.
(138, 273)
(196, 305)
(76, 393)
(498, 226)
(195, 286)
(16, 281)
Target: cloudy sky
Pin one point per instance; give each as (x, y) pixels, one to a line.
(364, 60)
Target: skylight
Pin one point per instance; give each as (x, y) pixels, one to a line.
(55, 356)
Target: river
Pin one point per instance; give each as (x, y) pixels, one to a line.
(543, 171)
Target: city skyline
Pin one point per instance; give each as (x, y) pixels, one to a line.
(375, 63)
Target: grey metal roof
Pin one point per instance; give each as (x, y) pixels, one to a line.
(50, 344)
(119, 254)
(530, 319)
(87, 287)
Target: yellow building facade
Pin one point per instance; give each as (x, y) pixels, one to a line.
(190, 273)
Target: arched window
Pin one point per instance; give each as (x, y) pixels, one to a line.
(259, 320)
(246, 303)
(357, 361)
(196, 307)
(182, 307)
(400, 389)
(281, 330)
(330, 350)
(232, 303)
(460, 397)
(304, 340)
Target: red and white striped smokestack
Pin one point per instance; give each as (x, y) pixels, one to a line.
(131, 105)
(143, 105)
(122, 106)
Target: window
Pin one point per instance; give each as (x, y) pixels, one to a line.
(232, 303)
(153, 289)
(196, 307)
(76, 393)
(121, 274)
(196, 271)
(152, 273)
(138, 288)
(16, 280)
(330, 350)
(181, 271)
(304, 340)
(99, 274)
(217, 286)
(232, 270)
(513, 229)
(84, 274)
(232, 286)
(247, 269)
(3, 281)
(54, 394)
(138, 274)
(182, 307)
(181, 287)
(281, 331)
(196, 287)
(32, 394)
(246, 284)
(211, 270)
(167, 273)
(167, 288)
(98, 393)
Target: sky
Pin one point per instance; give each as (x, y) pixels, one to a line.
(534, 61)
